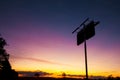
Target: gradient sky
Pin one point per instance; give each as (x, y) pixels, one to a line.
(39, 34)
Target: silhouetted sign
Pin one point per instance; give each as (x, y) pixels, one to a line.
(86, 32)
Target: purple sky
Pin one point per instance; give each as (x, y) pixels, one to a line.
(42, 29)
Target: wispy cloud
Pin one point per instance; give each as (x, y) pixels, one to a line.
(40, 60)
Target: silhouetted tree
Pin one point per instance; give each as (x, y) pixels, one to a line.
(6, 73)
(110, 77)
(63, 74)
(36, 74)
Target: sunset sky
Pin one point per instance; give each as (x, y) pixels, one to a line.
(39, 35)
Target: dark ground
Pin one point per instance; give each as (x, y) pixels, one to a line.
(49, 78)
(45, 78)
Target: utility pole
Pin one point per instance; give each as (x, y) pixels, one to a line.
(85, 33)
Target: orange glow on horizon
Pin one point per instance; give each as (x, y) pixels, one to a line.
(96, 69)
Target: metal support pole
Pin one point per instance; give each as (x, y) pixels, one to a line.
(85, 47)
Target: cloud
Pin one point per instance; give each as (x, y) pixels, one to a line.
(32, 74)
(40, 60)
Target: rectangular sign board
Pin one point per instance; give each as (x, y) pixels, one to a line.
(86, 33)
